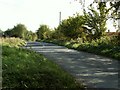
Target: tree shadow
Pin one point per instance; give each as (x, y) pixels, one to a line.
(93, 70)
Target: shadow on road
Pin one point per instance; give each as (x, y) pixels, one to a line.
(92, 70)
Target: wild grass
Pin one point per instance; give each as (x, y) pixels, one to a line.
(27, 69)
(12, 42)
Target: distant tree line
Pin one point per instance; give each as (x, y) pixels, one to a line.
(20, 31)
(87, 27)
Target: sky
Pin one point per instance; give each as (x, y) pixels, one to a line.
(33, 13)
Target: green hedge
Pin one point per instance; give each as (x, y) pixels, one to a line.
(101, 46)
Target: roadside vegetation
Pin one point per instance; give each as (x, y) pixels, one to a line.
(20, 31)
(27, 69)
(12, 42)
(88, 32)
(101, 46)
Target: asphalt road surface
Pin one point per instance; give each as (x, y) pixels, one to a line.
(93, 70)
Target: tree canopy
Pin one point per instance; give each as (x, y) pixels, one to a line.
(21, 31)
(72, 27)
(43, 31)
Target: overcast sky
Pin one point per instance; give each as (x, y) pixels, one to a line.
(32, 13)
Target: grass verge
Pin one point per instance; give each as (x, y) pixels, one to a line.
(93, 47)
(27, 69)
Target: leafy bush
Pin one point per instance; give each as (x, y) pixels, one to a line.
(102, 46)
(115, 40)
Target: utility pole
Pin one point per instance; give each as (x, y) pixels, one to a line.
(59, 18)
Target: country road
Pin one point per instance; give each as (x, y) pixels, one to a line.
(93, 70)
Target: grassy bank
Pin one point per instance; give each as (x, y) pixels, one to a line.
(100, 47)
(12, 42)
(27, 69)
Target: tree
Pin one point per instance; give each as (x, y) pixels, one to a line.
(42, 31)
(57, 34)
(34, 36)
(72, 27)
(47, 34)
(8, 33)
(17, 31)
(30, 36)
(115, 6)
(96, 20)
(20, 31)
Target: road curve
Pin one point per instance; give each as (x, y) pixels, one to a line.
(93, 70)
